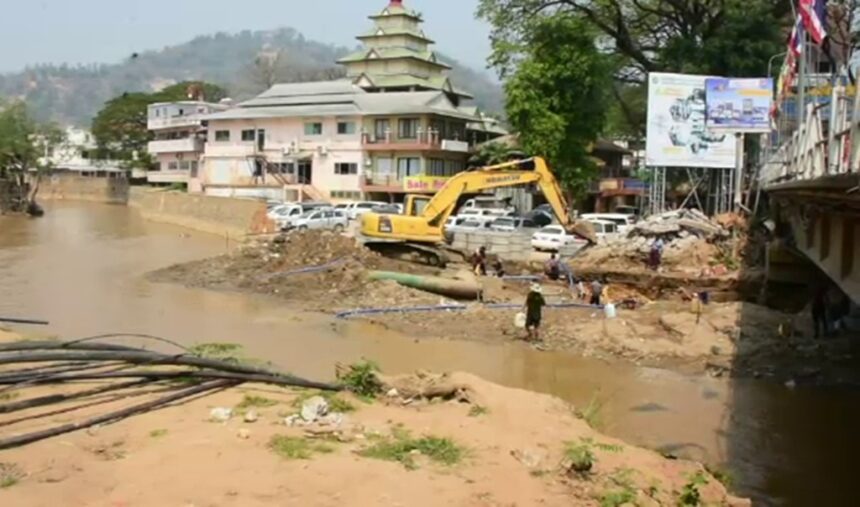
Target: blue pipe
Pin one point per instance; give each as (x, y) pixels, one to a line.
(311, 269)
(415, 309)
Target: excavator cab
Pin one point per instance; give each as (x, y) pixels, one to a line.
(415, 204)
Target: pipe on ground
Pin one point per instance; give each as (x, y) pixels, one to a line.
(458, 289)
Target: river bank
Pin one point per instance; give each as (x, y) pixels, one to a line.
(82, 268)
(488, 445)
(738, 339)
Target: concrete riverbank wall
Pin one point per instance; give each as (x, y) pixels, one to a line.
(111, 190)
(224, 216)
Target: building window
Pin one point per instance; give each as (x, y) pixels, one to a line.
(172, 166)
(181, 112)
(439, 127)
(408, 167)
(346, 194)
(346, 127)
(156, 166)
(222, 135)
(248, 135)
(343, 168)
(194, 167)
(381, 128)
(313, 129)
(408, 128)
(436, 167)
(453, 167)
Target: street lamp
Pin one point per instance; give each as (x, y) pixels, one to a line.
(772, 58)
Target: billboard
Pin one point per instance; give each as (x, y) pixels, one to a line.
(424, 183)
(739, 105)
(677, 132)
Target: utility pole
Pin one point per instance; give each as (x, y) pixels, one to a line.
(801, 83)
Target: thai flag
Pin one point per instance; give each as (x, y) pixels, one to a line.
(814, 13)
(795, 42)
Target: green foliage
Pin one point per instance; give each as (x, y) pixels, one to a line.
(401, 447)
(10, 475)
(253, 401)
(478, 410)
(336, 403)
(158, 433)
(556, 98)
(726, 37)
(725, 477)
(23, 141)
(690, 495)
(220, 351)
(622, 490)
(120, 127)
(494, 153)
(8, 396)
(297, 448)
(580, 456)
(361, 379)
(593, 412)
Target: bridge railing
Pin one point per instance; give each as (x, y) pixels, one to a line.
(825, 143)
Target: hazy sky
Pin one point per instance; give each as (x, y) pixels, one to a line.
(106, 31)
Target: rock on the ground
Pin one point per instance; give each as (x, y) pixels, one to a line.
(314, 408)
(220, 414)
(251, 416)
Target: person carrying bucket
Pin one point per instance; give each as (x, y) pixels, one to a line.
(534, 310)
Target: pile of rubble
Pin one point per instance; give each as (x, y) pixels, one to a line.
(325, 271)
(692, 242)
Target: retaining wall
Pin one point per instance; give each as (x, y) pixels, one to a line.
(225, 216)
(112, 190)
(508, 246)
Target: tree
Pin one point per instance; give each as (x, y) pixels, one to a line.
(24, 149)
(120, 127)
(557, 96)
(720, 37)
(493, 153)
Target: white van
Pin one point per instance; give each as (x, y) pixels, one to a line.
(622, 222)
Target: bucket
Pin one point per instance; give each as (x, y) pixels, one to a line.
(609, 311)
(520, 320)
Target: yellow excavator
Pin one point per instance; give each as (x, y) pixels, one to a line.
(421, 228)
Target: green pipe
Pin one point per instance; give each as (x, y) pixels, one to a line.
(459, 289)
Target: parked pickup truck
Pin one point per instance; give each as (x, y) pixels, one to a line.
(322, 219)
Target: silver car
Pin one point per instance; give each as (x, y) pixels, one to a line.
(322, 219)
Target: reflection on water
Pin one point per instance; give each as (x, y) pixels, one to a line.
(81, 267)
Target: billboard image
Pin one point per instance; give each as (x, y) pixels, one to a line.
(739, 105)
(678, 135)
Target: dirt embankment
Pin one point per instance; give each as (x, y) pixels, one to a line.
(736, 338)
(432, 440)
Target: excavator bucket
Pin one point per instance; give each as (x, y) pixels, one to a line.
(584, 229)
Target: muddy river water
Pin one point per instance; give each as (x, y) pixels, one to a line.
(82, 268)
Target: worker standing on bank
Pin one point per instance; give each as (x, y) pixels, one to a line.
(534, 311)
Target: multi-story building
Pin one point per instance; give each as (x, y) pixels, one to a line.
(395, 124)
(78, 154)
(179, 137)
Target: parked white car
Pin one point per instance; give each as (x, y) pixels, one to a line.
(604, 228)
(512, 224)
(356, 209)
(484, 215)
(285, 214)
(501, 206)
(622, 222)
(322, 219)
(553, 237)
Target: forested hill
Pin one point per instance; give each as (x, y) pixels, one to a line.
(73, 94)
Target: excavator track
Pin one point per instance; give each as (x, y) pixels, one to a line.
(437, 256)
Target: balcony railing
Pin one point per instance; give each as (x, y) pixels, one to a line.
(189, 144)
(168, 176)
(423, 140)
(173, 122)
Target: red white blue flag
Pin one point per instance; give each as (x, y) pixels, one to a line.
(814, 13)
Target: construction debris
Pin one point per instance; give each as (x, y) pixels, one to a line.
(692, 243)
